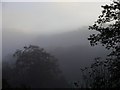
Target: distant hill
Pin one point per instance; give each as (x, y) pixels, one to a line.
(71, 48)
(71, 38)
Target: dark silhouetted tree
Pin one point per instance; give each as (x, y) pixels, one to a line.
(106, 73)
(35, 68)
(108, 27)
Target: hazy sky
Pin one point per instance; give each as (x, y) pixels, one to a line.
(49, 17)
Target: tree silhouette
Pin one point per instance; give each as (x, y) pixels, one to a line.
(35, 68)
(106, 73)
(108, 27)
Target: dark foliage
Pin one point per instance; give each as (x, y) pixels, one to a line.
(108, 26)
(34, 68)
(106, 73)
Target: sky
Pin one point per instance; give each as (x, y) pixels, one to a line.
(45, 18)
(49, 17)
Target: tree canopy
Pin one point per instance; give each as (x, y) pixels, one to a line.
(106, 73)
(108, 27)
(35, 68)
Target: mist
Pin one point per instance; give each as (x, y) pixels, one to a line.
(60, 28)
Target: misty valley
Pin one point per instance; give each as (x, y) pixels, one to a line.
(72, 50)
(60, 45)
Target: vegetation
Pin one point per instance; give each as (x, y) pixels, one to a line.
(106, 73)
(34, 68)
